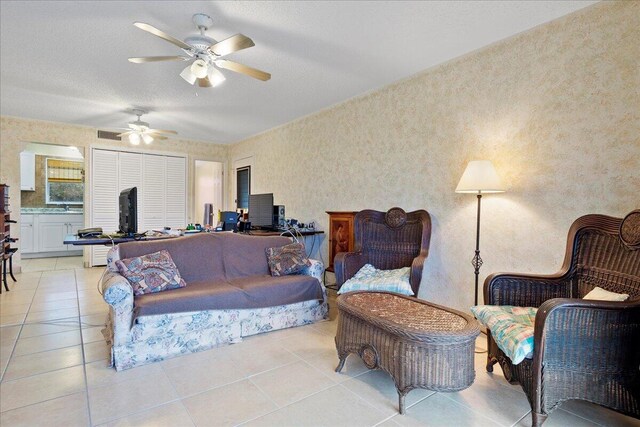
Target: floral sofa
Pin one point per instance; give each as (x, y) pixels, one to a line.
(153, 327)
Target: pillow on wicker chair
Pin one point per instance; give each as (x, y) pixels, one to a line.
(511, 328)
(600, 294)
(369, 278)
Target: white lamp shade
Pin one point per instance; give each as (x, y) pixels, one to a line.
(188, 75)
(215, 76)
(480, 177)
(134, 138)
(148, 139)
(199, 68)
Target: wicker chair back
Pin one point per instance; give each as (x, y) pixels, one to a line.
(393, 239)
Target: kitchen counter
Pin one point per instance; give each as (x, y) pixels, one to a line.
(51, 211)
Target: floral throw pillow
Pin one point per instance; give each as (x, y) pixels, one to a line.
(151, 273)
(287, 259)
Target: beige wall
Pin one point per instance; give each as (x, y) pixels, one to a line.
(557, 109)
(15, 133)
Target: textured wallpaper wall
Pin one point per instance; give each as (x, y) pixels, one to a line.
(557, 110)
(15, 133)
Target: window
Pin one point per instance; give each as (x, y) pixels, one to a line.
(243, 187)
(65, 181)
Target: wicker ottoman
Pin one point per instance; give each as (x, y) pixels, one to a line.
(421, 345)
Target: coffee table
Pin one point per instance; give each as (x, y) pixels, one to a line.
(420, 344)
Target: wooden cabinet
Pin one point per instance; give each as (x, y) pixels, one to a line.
(27, 171)
(341, 237)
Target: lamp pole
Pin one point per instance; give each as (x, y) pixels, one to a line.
(477, 261)
(479, 177)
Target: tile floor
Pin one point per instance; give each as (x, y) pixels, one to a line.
(53, 367)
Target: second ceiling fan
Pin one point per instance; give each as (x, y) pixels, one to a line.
(205, 52)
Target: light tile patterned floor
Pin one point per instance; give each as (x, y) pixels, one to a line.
(53, 365)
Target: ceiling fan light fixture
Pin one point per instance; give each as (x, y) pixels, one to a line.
(199, 68)
(134, 138)
(188, 75)
(148, 139)
(215, 76)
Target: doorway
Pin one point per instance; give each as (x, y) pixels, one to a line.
(207, 189)
(52, 205)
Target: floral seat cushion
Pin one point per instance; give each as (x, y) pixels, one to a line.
(511, 327)
(369, 278)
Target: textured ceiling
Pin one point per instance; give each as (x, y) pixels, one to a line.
(67, 61)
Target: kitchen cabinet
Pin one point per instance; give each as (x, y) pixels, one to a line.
(27, 234)
(52, 229)
(27, 171)
(44, 233)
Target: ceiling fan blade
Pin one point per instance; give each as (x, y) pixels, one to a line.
(159, 131)
(156, 32)
(125, 133)
(231, 44)
(204, 82)
(243, 69)
(142, 60)
(159, 137)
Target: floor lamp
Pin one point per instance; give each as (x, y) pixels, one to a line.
(479, 177)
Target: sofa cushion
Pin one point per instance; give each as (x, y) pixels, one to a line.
(244, 255)
(198, 257)
(206, 295)
(266, 290)
(287, 259)
(151, 273)
(242, 293)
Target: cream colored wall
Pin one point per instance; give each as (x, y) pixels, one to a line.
(557, 109)
(16, 133)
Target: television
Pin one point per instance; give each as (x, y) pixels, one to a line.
(261, 210)
(128, 211)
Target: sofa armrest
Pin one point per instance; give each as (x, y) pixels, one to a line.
(346, 264)
(316, 269)
(118, 293)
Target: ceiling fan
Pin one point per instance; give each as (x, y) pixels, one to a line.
(205, 52)
(140, 131)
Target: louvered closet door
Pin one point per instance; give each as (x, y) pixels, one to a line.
(131, 176)
(176, 192)
(104, 198)
(153, 192)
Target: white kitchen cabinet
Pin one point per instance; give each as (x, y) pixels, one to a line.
(27, 234)
(52, 229)
(27, 171)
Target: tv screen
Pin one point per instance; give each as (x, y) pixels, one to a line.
(261, 210)
(128, 211)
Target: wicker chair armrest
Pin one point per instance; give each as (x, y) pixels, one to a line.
(525, 290)
(416, 272)
(347, 264)
(588, 335)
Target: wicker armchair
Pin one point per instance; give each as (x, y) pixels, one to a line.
(583, 349)
(387, 240)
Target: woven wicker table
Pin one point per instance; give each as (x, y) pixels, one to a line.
(421, 345)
